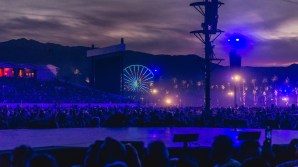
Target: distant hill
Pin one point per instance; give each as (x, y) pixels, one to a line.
(68, 59)
(23, 51)
(34, 52)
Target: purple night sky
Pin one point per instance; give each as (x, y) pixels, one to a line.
(157, 26)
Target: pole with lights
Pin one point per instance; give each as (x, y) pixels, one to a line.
(237, 41)
(209, 9)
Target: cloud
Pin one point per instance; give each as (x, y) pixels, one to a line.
(160, 27)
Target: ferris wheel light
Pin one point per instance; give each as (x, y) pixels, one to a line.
(137, 78)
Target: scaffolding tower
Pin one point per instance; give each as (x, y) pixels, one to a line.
(209, 9)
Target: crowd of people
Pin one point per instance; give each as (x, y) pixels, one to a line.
(113, 153)
(30, 90)
(56, 116)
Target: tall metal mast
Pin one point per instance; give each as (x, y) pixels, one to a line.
(209, 9)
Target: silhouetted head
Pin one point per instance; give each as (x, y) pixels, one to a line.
(158, 154)
(222, 148)
(110, 151)
(249, 149)
(21, 155)
(44, 160)
(91, 158)
(158, 149)
(132, 158)
(293, 149)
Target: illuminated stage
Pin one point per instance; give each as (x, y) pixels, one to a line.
(83, 137)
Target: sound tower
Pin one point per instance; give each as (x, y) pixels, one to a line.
(235, 59)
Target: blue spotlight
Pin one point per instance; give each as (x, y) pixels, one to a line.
(237, 41)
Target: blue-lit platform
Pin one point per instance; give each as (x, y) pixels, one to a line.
(83, 137)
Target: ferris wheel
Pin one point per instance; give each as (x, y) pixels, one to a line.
(137, 78)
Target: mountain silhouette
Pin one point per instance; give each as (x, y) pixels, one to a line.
(70, 58)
